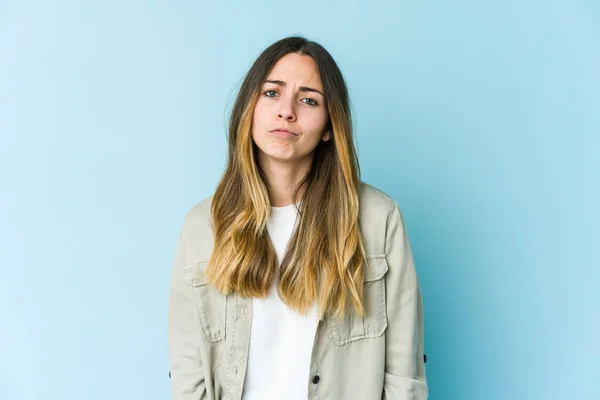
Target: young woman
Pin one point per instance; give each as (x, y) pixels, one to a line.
(295, 280)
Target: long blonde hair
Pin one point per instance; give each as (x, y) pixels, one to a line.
(325, 255)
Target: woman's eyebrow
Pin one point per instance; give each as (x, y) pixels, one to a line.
(302, 88)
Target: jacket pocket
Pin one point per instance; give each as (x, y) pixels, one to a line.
(374, 323)
(211, 305)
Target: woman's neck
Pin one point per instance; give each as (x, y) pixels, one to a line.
(283, 179)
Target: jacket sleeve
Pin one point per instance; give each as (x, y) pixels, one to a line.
(187, 377)
(405, 377)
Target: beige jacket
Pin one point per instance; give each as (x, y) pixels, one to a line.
(376, 357)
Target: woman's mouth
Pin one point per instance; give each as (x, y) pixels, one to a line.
(283, 133)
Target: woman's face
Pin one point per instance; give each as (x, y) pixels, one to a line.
(291, 99)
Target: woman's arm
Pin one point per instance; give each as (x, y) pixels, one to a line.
(187, 377)
(404, 365)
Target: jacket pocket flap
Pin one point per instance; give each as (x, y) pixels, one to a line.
(193, 273)
(376, 267)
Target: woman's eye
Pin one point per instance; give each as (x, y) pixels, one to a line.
(270, 93)
(310, 102)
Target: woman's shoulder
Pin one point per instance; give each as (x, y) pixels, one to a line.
(196, 231)
(198, 214)
(199, 211)
(374, 202)
(377, 213)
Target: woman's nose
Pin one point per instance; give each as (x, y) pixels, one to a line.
(287, 111)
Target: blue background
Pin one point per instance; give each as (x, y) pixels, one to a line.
(482, 119)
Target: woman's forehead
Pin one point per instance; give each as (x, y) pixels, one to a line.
(296, 69)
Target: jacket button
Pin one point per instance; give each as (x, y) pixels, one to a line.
(316, 379)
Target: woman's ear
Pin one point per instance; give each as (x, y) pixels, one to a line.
(326, 136)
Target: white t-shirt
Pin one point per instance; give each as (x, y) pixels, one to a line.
(281, 339)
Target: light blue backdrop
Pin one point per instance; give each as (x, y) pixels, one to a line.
(482, 119)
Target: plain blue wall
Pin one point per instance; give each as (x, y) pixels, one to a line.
(480, 118)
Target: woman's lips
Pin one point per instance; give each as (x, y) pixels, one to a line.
(283, 134)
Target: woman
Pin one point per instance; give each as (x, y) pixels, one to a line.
(295, 280)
